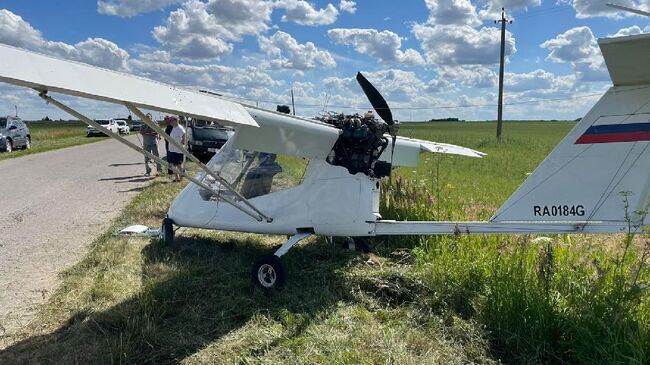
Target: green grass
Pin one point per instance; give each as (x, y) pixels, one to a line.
(426, 300)
(47, 136)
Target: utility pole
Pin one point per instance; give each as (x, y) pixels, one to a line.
(16, 106)
(293, 104)
(503, 22)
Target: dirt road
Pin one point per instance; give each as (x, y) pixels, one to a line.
(52, 205)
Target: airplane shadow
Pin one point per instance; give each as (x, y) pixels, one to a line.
(208, 296)
(119, 178)
(133, 190)
(126, 164)
(137, 180)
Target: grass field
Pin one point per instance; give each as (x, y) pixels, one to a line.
(47, 136)
(431, 300)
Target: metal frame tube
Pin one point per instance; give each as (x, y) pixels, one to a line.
(135, 147)
(185, 152)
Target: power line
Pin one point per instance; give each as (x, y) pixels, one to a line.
(460, 106)
(545, 11)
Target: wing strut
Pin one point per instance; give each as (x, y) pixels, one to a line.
(255, 215)
(203, 167)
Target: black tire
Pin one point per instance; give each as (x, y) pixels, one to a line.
(167, 232)
(9, 146)
(28, 142)
(268, 272)
(362, 244)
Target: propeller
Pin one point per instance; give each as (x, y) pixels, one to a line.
(376, 100)
(381, 107)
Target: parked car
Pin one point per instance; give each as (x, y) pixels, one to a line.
(14, 134)
(205, 138)
(122, 126)
(109, 124)
(136, 125)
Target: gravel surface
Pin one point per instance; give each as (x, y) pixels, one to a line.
(52, 205)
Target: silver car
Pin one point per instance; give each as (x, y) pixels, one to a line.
(14, 134)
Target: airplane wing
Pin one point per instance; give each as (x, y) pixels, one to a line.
(258, 129)
(407, 151)
(50, 74)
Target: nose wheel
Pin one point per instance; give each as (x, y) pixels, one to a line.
(167, 232)
(268, 272)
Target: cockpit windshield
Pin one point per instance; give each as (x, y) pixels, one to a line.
(253, 173)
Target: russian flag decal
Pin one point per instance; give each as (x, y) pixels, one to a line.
(611, 133)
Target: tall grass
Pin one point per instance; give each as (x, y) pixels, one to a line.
(557, 299)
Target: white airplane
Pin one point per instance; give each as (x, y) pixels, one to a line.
(286, 175)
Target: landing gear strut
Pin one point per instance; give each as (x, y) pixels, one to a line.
(268, 270)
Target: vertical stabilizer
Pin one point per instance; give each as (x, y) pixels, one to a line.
(603, 164)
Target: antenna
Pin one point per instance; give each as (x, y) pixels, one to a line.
(327, 100)
(631, 10)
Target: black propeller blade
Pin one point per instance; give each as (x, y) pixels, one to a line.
(376, 100)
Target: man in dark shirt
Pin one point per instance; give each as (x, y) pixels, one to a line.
(168, 131)
(150, 144)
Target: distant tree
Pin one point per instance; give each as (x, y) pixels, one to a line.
(47, 119)
(284, 109)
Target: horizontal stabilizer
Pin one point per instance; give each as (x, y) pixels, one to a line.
(407, 151)
(627, 59)
(50, 74)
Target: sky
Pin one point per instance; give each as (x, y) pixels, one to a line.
(429, 58)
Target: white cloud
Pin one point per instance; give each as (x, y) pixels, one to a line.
(348, 6)
(537, 80)
(492, 8)
(578, 47)
(633, 30)
(385, 46)
(462, 44)
(472, 76)
(303, 13)
(202, 30)
(574, 45)
(96, 51)
(129, 8)
(155, 56)
(445, 12)
(285, 52)
(230, 79)
(17, 32)
(598, 8)
(394, 84)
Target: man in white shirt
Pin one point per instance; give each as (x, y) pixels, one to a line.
(175, 156)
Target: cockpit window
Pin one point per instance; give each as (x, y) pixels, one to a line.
(253, 173)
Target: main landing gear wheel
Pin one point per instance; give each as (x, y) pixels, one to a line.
(268, 272)
(362, 244)
(167, 232)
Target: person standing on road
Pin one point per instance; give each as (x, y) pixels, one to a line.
(175, 156)
(150, 144)
(168, 131)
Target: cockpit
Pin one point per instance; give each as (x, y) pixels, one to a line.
(252, 173)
